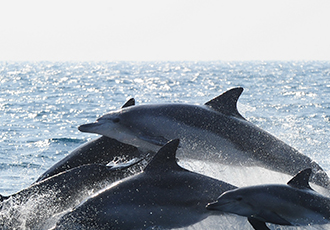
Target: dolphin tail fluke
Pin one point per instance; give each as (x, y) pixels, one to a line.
(257, 224)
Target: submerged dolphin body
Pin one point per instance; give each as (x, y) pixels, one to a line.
(214, 131)
(292, 204)
(163, 195)
(33, 206)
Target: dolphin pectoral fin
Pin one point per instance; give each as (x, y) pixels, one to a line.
(160, 141)
(128, 103)
(226, 103)
(258, 224)
(273, 217)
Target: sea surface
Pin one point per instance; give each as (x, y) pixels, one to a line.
(43, 103)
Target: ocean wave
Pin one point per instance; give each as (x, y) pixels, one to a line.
(30, 165)
(67, 140)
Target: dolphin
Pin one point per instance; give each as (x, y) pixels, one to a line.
(34, 205)
(294, 204)
(163, 195)
(99, 151)
(214, 131)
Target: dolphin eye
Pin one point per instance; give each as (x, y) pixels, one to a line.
(116, 120)
(239, 198)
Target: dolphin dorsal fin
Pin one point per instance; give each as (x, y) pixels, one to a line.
(128, 103)
(226, 103)
(300, 180)
(164, 159)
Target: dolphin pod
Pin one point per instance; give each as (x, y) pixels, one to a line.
(164, 195)
(215, 131)
(33, 206)
(292, 204)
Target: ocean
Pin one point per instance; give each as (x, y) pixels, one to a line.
(43, 103)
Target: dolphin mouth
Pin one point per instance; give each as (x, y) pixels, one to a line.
(88, 128)
(212, 206)
(216, 205)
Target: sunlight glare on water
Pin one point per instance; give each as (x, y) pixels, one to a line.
(43, 103)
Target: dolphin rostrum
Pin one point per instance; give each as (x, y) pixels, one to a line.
(163, 195)
(32, 207)
(292, 204)
(214, 131)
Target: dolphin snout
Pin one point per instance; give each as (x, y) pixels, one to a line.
(88, 127)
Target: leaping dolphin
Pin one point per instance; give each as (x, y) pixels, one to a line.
(292, 204)
(32, 207)
(99, 151)
(214, 131)
(163, 195)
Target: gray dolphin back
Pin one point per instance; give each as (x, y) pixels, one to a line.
(99, 151)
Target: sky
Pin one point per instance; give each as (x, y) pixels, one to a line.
(164, 30)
